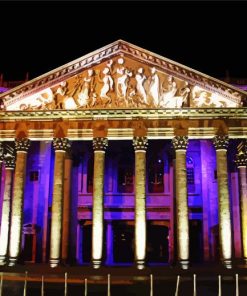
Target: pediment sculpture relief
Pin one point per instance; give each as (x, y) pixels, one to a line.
(121, 83)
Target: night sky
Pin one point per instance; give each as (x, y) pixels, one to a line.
(37, 37)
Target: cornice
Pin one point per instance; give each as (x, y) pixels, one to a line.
(124, 114)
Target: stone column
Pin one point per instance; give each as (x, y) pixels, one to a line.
(60, 145)
(66, 206)
(241, 161)
(99, 146)
(225, 236)
(180, 144)
(21, 147)
(140, 146)
(5, 220)
(1, 164)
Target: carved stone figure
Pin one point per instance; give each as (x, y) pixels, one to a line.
(169, 93)
(154, 89)
(140, 79)
(184, 93)
(108, 84)
(86, 89)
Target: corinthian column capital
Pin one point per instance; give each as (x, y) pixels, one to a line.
(1, 152)
(100, 144)
(140, 143)
(22, 144)
(221, 142)
(241, 159)
(61, 144)
(180, 142)
(9, 161)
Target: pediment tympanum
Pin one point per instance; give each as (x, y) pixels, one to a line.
(123, 81)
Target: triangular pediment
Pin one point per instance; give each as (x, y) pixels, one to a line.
(122, 75)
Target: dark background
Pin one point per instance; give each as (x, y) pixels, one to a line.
(39, 36)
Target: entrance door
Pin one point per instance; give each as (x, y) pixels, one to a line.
(196, 241)
(157, 243)
(86, 242)
(123, 242)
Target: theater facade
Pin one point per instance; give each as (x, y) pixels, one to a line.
(123, 157)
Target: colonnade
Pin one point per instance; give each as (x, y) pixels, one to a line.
(12, 209)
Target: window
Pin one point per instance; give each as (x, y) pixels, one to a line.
(190, 174)
(156, 175)
(90, 164)
(126, 175)
(34, 176)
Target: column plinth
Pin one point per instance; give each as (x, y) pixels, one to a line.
(60, 145)
(241, 161)
(21, 146)
(140, 147)
(225, 236)
(180, 144)
(99, 146)
(5, 220)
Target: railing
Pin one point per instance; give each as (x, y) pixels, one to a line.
(85, 288)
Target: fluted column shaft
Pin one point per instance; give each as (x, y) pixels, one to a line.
(140, 146)
(66, 207)
(5, 220)
(60, 145)
(180, 144)
(17, 203)
(225, 236)
(241, 163)
(99, 146)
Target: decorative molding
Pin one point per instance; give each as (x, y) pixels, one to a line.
(201, 132)
(140, 143)
(22, 144)
(38, 134)
(120, 133)
(7, 135)
(100, 144)
(160, 133)
(61, 144)
(80, 134)
(180, 142)
(221, 142)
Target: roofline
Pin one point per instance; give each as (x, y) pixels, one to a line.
(111, 45)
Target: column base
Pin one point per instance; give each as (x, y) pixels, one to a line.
(184, 264)
(54, 263)
(12, 261)
(227, 263)
(3, 260)
(140, 264)
(96, 264)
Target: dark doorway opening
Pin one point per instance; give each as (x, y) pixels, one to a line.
(157, 242)
(86, 242)
(123, 241)
(196, 241)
